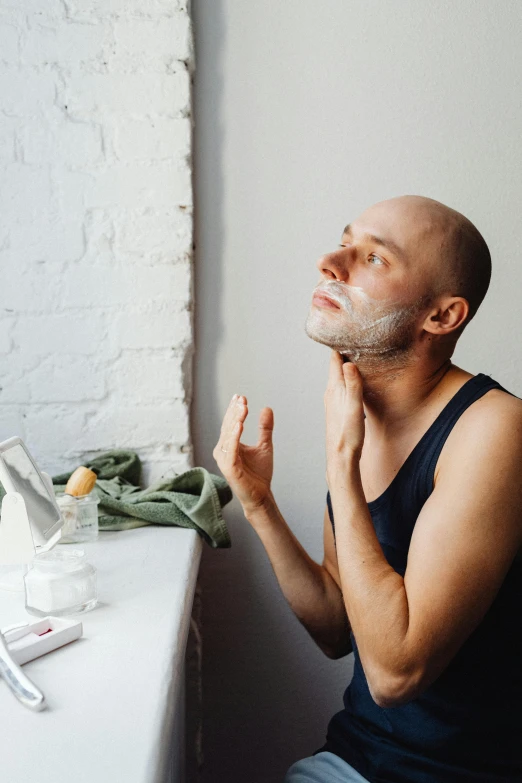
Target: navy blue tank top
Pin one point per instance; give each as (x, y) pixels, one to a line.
(467, 725)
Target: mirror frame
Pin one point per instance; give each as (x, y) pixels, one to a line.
(40, 538)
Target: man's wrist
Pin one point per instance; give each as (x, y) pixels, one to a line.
(261, 512)
(343, 470)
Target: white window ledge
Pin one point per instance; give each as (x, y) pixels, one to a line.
(115, 696)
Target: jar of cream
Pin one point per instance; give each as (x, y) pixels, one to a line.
(60, 582)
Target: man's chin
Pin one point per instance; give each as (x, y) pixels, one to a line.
(324, 339)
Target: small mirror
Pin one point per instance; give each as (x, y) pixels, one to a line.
(20, 473)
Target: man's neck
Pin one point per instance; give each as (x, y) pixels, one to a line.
(392, 397)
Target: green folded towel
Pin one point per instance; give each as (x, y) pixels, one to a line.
(193, 499)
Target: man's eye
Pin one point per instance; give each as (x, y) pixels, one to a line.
(381, 262)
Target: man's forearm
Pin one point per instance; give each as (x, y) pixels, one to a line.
(374, 593)
(309, 589)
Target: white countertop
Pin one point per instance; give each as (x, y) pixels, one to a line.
(112, 694)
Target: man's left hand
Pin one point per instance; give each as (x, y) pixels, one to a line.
(343, 401)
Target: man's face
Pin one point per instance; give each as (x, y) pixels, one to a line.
(374, 286)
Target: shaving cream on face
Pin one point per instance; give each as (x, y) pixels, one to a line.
(369, 329)
(357, 291)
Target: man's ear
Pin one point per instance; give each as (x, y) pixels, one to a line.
(451, 314)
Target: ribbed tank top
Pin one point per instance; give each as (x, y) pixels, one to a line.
(466, 727)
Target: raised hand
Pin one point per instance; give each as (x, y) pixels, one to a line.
(248, 469)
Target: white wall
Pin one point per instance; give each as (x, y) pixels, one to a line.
(96, 229)
(306, 114)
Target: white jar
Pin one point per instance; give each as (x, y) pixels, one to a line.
(60, 582)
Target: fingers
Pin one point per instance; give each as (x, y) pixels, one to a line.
(236, 414)
(236, 407)
(230, 448)
(350, 370)
(266, 426)
(335, 373)
(353, 378)
(229, 413)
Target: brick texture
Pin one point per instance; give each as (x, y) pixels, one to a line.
(96, 237)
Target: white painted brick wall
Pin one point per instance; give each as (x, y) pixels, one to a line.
(96, 233)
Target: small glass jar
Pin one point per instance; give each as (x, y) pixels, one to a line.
(80, 518)
(60, 582)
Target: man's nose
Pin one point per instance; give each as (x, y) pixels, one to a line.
(336, 265)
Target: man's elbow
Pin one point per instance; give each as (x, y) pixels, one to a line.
(387, 698)
(395, 690)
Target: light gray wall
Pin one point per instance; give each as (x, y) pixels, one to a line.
(306, 114)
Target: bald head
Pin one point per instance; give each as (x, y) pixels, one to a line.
(448, 248)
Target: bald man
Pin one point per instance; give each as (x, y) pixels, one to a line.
(422, 570)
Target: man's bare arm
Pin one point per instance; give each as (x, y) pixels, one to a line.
(463, 543)
(311, 590)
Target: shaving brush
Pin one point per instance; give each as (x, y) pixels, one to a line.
(80, 483)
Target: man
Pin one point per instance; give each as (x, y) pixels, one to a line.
(422, 572)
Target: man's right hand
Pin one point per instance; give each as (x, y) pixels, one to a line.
(248, 469)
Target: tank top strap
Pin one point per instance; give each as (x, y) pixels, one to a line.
(414, 481)
(434, 439)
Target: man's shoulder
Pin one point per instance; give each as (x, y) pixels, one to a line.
(491, 424)
(496, 408)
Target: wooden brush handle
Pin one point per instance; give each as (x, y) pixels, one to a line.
(80, 482)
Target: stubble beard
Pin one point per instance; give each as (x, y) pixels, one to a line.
(371, 334)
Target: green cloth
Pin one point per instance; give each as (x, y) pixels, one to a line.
(193, 499)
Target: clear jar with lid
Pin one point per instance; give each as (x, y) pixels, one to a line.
(60, 582)
(80, 517)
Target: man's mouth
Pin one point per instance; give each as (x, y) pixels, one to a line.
(321, 300)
